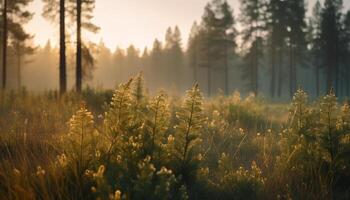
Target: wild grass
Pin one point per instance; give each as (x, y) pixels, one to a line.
(126, 144)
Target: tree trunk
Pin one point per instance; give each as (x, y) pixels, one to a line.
(209, 81)
(273, 73)
(280, 74)
(4, 50)
(317, 80)
(256, 70)
(291, 92)
(79, 53)
(226, 70)
(62, 67)
(19, 71)
(251, 70)
(347, 80)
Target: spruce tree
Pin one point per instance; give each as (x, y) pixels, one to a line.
(229, 32)
(253, 19)
(193, 50)
(217, 40)
(296, 40)
(277, 25)
(173, 55)
(330, 37)
(156, 62)
(315, 41)
(346, 59)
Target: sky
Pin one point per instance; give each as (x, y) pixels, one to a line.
(138, 22)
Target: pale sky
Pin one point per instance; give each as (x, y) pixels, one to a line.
(138, 22)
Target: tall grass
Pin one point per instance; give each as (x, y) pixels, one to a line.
(126, 144)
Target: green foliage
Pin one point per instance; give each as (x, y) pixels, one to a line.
(155, 147)
(242, 184)
(187, 135)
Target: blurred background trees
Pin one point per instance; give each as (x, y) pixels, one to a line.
(269, 49)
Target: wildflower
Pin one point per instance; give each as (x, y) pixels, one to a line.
(117, 195)
(62, 160)
(216, 113)
(97, 153)
(200, 157)
(204, 171)
(40, 171)
(171, 139)
(164, 170)
(89, 173)
(100, 172)
(16, 172)
(93, 189)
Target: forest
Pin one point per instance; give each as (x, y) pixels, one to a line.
(253, 106)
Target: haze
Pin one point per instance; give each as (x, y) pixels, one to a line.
(136, 22)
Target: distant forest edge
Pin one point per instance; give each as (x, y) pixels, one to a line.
(277, 49)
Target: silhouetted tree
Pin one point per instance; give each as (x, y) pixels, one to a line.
(4, 43)
(217, 39)
(253, 19)
(346, 52)
(296, 33)
(277, 26)
(50, 11)
(229, 32)
(174, 58)
(14, 16)
(193, 50)
(315, 42)
(330, 37)
(83, 13)
(156, 61)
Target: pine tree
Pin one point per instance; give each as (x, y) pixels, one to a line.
(83, 14)
(193, 50)
(296, 39)
(22, 50)
(50, 10)
(209, 22)
(156, 62)
(217, 40)
(227, 23)
(346, 52)
(315, 41)
(253, 19)
(173, 55)
(346, 33)
(118, 118)
(157, 123)
(14, 16)
(330, 37)
(329, 136)
(132, 60)
(119, 58)
(277, 25)
(187, 135)
(4, 43)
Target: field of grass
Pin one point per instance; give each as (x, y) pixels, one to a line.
(126, 144)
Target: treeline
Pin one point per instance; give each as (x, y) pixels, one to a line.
(276, 49)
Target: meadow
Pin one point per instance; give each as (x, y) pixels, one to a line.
(128, 144)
